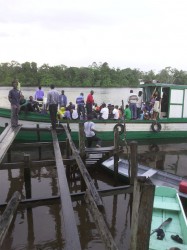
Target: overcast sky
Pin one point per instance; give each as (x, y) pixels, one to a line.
(142, 34)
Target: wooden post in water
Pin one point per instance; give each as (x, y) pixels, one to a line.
(82, 151)
(8, 215)
(27, 175)
(116, 156)
(133, 161)
(38, 137)
(143, 196)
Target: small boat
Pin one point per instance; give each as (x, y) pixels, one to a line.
(171, 122)
(158, 177)
(169, 224)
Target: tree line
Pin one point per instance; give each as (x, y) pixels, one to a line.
(95, 75)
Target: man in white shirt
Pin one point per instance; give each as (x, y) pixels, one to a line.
(89, 129)
(52, 104)
(115, 112)
(104, 112)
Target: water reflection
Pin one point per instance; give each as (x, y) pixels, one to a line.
(39, 226)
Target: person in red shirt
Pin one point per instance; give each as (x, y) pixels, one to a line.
(89, 102)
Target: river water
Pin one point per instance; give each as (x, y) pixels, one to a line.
(38, 226)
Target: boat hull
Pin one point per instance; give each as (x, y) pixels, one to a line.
(133, 130)
(158, 177)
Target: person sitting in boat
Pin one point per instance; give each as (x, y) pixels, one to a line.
(67, 114)
(39, 94)
(104, 112)
(110, 111)
(74, 114)
(147, 109)
(60, 113)
(71, 106)
(115, 112)
(32, 105)
(23, 104)
(127, 113)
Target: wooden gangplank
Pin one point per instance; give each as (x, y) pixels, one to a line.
(70, 232)
(84, 172)
(6, 138)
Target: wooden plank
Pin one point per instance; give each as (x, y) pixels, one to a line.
(6, 139)
(88, 180)
(68, 217)
(143, 196)
(8, 215)
(100, 223)
(40, 201)
(102, 149)
(35, 164)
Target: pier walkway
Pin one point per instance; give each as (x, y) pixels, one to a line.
(6, 139)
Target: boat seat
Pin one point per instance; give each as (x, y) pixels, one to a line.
(166, 205)
(149, 173)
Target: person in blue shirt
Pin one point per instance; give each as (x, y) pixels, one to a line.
(39, 94)
(62, 99)
(80, 106)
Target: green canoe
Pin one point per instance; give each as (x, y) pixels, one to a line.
(168, 212)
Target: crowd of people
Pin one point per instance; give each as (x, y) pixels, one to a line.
(83, 109)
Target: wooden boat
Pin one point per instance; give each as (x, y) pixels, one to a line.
(168, 215)
(172, 123)
(158, 177)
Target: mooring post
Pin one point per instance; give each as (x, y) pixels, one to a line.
(133, 161)
(82, 151)
(38, 137)
(116, 156)
(27, 175)
(143, 196)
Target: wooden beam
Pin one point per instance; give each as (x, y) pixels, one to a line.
(8, 215)
(100, 223)
(68, 217)
(6, 139)
(36, 202)
(88, 180)
(35, 164)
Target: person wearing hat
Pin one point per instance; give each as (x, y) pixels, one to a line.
(90, 132)
(89, 102)
(80, 106)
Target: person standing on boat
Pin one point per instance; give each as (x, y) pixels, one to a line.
(89, 102)
(63, 100)
(139, 103)
(39, 94)
(132, 100)
(52, 104)
(80, 106)
(90, 132)
(14, 97)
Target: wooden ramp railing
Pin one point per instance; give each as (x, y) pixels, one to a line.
(6, 139)
(8, 215)
(68, 218)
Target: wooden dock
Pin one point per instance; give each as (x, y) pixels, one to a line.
(81, 158)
